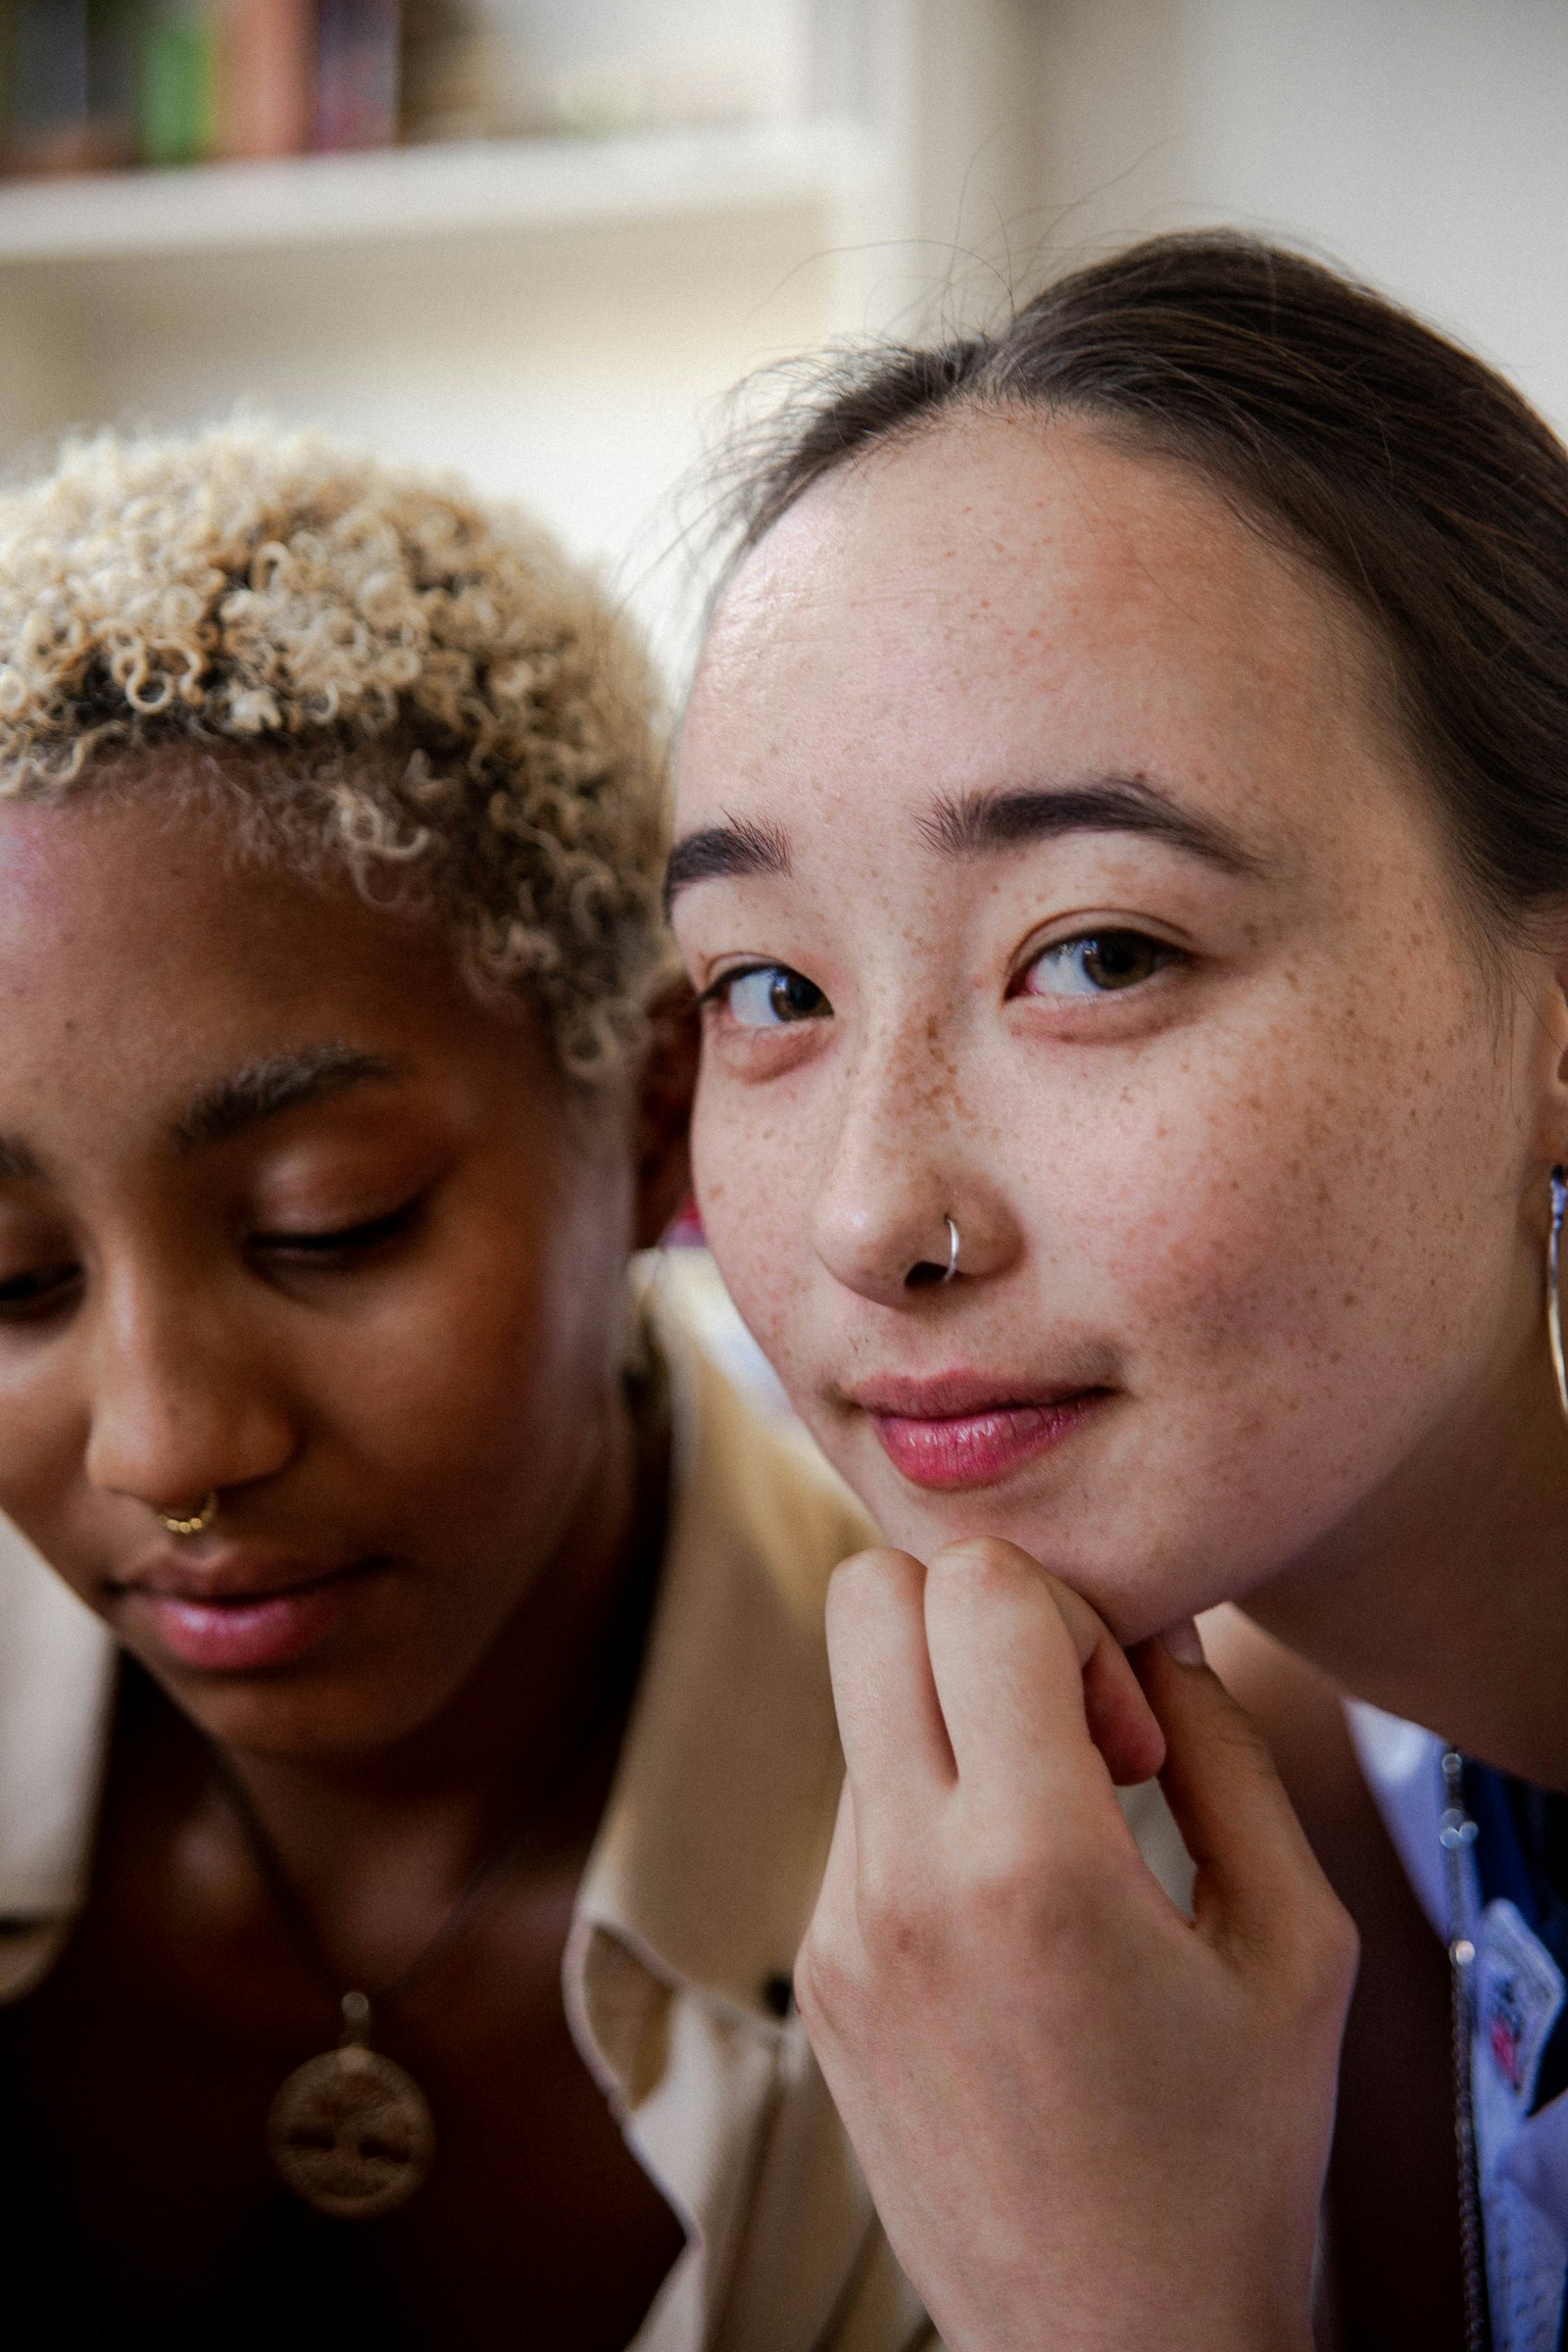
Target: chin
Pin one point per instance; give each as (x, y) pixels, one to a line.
(1135, 1604)
(305, 1717)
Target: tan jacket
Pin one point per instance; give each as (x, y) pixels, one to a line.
(692, 1906)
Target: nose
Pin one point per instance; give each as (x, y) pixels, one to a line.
(178, 1405)
(904, 1205)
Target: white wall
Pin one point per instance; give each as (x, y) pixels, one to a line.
(571, 369)
(1422, 142)
(1425, 142)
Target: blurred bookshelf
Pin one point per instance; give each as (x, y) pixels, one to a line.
(536, 240)
(470, 186)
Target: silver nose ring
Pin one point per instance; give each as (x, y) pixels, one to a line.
(953, 1246)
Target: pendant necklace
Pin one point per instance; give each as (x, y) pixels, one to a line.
(1456, 1834)
(350, 2132)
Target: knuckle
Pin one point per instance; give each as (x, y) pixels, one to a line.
(1237, 1733)
(865, 1576)
(984, 1563)
(815, 1986)
(1011, 1886)
(1321, 1956)
(827, 1985)
(1338, 1948)
(904, 1924)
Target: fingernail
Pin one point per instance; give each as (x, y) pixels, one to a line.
(1185, 1642)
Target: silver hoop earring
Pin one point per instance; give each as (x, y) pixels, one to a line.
(955, 1245)
(1559, 1202)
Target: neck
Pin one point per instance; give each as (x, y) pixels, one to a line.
(1446, 1600)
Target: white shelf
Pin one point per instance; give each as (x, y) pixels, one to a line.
(478, 186)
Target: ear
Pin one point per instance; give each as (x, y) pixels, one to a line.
(663, 1114)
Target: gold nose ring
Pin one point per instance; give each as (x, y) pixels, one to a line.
(192, 1527)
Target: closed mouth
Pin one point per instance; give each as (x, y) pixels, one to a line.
(244, 1615)
(954, 1433)
(232, 1581)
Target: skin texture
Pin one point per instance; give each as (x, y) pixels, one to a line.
(443, 1401)
(1272, 1213)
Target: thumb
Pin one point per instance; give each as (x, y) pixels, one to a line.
(1255, 1869)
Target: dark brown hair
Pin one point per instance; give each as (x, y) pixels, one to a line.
(1410, 473)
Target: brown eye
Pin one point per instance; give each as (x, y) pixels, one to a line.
(769, 996)
(1097, 963)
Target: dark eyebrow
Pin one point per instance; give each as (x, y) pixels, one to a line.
(981, 823)
(737, 846)
(283, 1082)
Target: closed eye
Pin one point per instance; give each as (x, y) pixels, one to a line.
(348, 1243)
(43, 1291)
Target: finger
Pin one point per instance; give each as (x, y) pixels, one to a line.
(896, 1747)
(1029, 1682)
(1255, 1869)
(1122, 1724)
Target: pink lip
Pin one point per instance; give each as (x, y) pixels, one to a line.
(938, 1437)
(214, 1622)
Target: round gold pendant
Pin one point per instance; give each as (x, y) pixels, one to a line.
(351, 2134)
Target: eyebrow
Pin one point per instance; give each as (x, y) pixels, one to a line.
(738, 846)
(983, 823)
(264, 1090)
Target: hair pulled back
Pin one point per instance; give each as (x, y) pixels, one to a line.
(1409, 472)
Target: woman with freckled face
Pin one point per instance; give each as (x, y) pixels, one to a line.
(1122, 856)
(416, 1748)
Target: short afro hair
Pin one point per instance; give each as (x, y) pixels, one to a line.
(398, 681)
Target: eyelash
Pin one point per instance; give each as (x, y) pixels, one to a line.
(1162, 955)
(343, 1241)
(32, 1298)
(719, 994)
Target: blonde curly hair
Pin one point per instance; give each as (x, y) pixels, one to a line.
(395, 680)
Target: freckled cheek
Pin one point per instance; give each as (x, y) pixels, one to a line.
(1246, 1219)
(753, 1192)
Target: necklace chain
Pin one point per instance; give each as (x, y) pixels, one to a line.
(1456, 1834)
(350, 2132)
(357, 2005)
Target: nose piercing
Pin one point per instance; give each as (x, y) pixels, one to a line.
(192, 1527)
(953, 1246)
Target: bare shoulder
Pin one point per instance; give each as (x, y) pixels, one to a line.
(1393, 2212)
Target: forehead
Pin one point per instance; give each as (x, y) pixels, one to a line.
(143, 955)
(1005, 590)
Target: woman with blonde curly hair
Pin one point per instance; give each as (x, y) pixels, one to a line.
(417, 1758)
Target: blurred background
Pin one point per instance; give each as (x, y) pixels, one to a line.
(537, 239)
